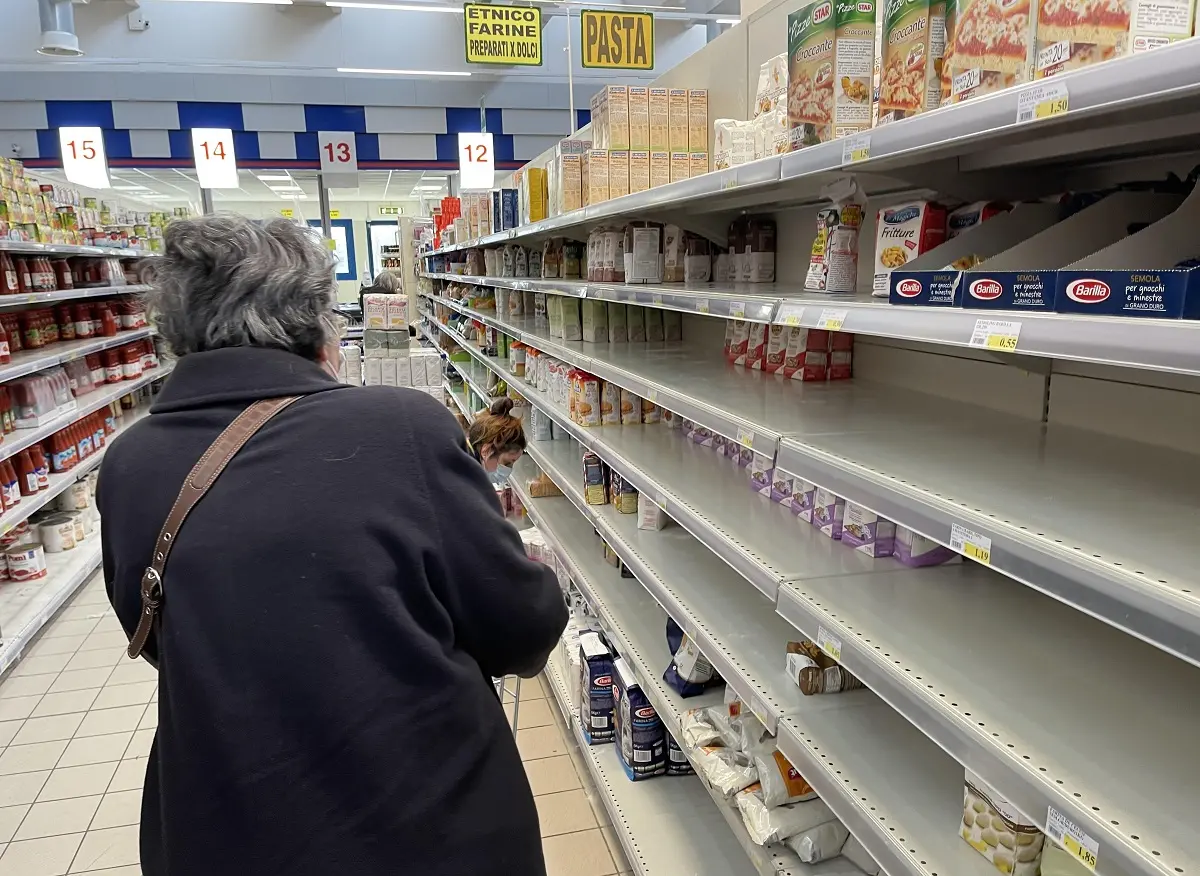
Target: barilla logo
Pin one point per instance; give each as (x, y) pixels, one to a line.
(645, 712)
(901, 214)
(986, 290)
(822, 12)
(1088, 291)
(603, 681)
(909, 288)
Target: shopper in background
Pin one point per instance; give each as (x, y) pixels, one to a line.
(333, 606)
(497, 439)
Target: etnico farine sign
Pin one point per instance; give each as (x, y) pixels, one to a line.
(503, 34)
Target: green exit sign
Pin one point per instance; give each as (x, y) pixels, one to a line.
(389, 211)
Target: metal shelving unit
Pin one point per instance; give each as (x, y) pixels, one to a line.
(70, 295)
(68, 249)
(29, 361)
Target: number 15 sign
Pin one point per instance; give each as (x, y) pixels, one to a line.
(476, 164)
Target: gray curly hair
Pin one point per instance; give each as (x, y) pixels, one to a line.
(227, 281)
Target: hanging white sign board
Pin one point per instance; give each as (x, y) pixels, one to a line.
(83, 157)
(476, 162)
(216, 163)
(339, 158)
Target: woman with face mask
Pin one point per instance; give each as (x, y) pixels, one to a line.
(325, 617)
(497, 439)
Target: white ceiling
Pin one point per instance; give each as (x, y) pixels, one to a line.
(160, 189)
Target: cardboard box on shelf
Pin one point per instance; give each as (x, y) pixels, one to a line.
(697, 164)
(677, 119)
(639, 117)
(698, 119)
(388, 370)
(914, 41)
(990, 46)
(830, 57)
(660, 169)
(659, 109)
(571, 183)
(679, 166)
(618, 173)
(614, 116)
(639, 171)
(596, 173)
(1074, 35)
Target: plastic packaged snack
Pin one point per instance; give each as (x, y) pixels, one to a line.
(610, 404)
(697, 730)
(767, 826)
(820, 843)
(726, 769)
(781, 782)
(630, 408)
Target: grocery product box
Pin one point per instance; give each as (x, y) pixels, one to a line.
(596, 690)
(375, 314)
(571, 182)
(914, 39)
(659, 112)
(867, 532)
(903, 232)
(1024, 275)
(639, 171)
(660, 169)
(698, 119)
(999, 831)
(697, 164)
(614, 116)
(677, 119)
(639, 117)
(831, 47)
(618, 173)
(680, 168)
(533, 195)
(990, 46)
(596, 175)
(1074, 35)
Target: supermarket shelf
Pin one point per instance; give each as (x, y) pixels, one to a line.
(1148, 84)
(1152, 344)
(926, 641)
(26, 607)
(23, 438)
(69, 295)
(29, 361)
(1044, 496)
(67, 249)
(459, 399)
(667, 824)
(895, 778)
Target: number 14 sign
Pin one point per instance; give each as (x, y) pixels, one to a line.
(216, 163)
(476, 162)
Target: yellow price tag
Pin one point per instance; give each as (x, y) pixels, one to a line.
(983, 554)
(971, 544)
(1053, 107)
(702, 306)
(1072, 838)
(729, 183)
(829, 643)
(860, 154)
(1007, 343)
(792, 319)
(1084, 855)
(657, 300)
(831, 320)
(745, 437)
(856, 148)
(287, 214)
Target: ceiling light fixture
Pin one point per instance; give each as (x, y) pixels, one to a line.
(403, 7)
(250, 2)
(729, 21)
(275, 178)
(378, 72)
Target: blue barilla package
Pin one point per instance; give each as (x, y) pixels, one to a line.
(641, 737)
(596, 690)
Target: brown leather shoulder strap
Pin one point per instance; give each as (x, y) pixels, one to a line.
(202, 476)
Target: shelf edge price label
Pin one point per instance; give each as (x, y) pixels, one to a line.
(790, 314)
(832, 320)
(656, 299)
(1042, 101)
(745, 437)
(762, 712)
(856, 148)
(215, 158)
(702, 305)
(829, 643)
(737, 309)
(83, 157)
(1072, 838)
(995, 334)
(652, 395)
(971, 544)
(476, 161)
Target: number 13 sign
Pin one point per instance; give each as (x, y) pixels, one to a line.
(338, 156)
(476, 162)
(216, 163)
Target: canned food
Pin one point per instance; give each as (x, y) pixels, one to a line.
(77, 518)
(75, 497)
(57, 533)
(26, 562)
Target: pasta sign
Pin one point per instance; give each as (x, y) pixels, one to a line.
(510, 35)
(617, 40)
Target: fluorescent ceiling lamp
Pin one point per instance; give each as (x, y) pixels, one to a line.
(729, 21)
(378, 72)
(428, 188)
(404, 7)
(285, 188)
(252, 2)
(131, 188)
(274, 178)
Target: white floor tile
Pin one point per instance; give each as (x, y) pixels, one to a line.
(31, 758)
(29, 686)
(117, 695)
(79, 781)
(8, 729)
(149, 717)
(130, 775)
(69, 628)
(22, 787)
(118, 810)
(58, 645)
(42, 665)
(95, 749)
(140, 745)
(100, 722)
(10, 819)
(57, 817)
(65, 703)
(112, 641)
(16, 708)
(48, 729)
(130, 671)
(80, 679)
(51, 856)
(114, 847)
(98, 659)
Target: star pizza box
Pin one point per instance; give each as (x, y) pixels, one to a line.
(1114, 282)
(937, 278)
(830, 56)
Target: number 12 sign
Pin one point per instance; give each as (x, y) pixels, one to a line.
(216, 163)
(83, 158)
(476, 162)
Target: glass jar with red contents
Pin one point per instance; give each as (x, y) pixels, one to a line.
(108, 321)
(83, 319)
(113, 372)
(92, 275)
(95, 362)
(40, 465)
(63, 275)
(24, 280)
(49, 326)
(131, 361)
(10, 484)
(5, 352)
(12, 328)
(65, 318)
(9, 285)
(97, 319)
(47, 282)
(26, 474)
(31, 330)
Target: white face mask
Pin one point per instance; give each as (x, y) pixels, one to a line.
(331, 369)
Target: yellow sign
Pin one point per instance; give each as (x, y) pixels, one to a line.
(510, 35)
(1053, 107)
(287, 214)
(617, 40)
(335, 214)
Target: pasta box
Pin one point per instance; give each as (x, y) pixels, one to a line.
(1167, 294)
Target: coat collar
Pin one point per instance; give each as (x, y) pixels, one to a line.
(239, 374)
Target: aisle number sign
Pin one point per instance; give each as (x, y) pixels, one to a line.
(216, 162)
(510, 35)
(615, 40)
(84, 161)
(339, 155)
(476, 161)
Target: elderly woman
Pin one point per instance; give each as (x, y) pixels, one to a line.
(332, 608)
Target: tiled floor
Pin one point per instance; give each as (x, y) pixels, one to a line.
(76, 722)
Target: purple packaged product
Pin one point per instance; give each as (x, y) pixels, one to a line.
(596, 690)
(687, 428)
(640, 735)
(827, 513)
(677, 762)
(803, 496)
(718, 444)
(761, 471)
(867, 532)
(702, 436)
(745, 455)
(781, 487)
(913, 549)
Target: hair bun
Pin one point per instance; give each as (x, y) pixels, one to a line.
(501, 406)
